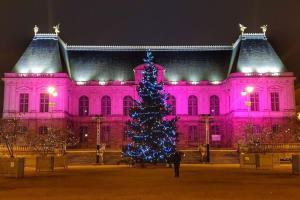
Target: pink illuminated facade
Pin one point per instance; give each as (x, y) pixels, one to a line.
(235, 84)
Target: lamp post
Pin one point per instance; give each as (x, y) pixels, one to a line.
(247, 92)
(52, 92)
(207, 120)
(98, 140)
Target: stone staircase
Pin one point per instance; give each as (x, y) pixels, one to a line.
(191, 157)
(217, 156)
(89, 157)
(224, 156)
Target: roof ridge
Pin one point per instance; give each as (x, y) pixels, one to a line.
(254, 36)
(45, 36)
(152, 47)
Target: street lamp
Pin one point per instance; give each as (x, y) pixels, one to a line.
(207, 119)
(247, 92)
(52, 92)
(98, 140)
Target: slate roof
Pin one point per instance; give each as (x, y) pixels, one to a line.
(192, 63)
(257, 55)
(41, 56)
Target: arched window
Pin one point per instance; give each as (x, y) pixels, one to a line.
(214, 105)
(193, 105)
(172, 102)
(127, 104)
(83, 106)
(106, 106)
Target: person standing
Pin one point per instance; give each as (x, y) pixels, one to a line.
(177, 160)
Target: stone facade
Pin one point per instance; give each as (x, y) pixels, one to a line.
(77, 102)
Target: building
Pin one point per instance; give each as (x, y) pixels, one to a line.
(55, 84)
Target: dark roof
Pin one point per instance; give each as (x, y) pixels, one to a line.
(192, 63)
(41, 56)
(181, 64)
(257, 55)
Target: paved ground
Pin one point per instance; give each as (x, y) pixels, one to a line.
(119, 182)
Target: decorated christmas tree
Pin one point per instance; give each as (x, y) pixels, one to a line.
(153, 136)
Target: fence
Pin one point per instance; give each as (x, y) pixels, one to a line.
(271, 148)
(24, 149)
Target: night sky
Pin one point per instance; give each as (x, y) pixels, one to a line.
(156, 22)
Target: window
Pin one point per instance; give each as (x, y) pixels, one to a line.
(24, 102)
(43, 130)
(172, 103)
(275, 128)
(193, 134)
(105, 134)
(83, 134)
(254, 99)
(193, 105)
(83, 106)
(106, 106)
(125, 134)
(274, 101)
(22, 129)
(256, 130)
(44, 102)
(216, 136)
(214, 105)
(127, 105)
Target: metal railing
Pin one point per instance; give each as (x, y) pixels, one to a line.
(271, 148)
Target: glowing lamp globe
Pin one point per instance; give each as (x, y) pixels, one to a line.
(50, 89)
(249, 89)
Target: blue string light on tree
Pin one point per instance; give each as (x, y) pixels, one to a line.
(153, 137)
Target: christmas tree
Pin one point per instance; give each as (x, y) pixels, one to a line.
(153, 137)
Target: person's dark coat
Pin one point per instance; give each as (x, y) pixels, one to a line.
(177, 158)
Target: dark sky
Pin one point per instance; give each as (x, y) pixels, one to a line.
(156, 22)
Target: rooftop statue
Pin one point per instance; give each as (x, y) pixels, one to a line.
(242, 28)
(35, 29)
(264, 28)
(56, 29)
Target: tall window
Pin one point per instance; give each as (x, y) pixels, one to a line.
(275, 128)
(105, 134)
(127, 104)
(172, 102)
(106, 105)
(193, 134)
(274, 101)
(22, 129)
(125, 135)
(83, 106)
(43, 130)
(256, 129)
(44, 102)
(24, 102)
(83, 134)
(193, 105)
(214, 105)
(254, 99)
